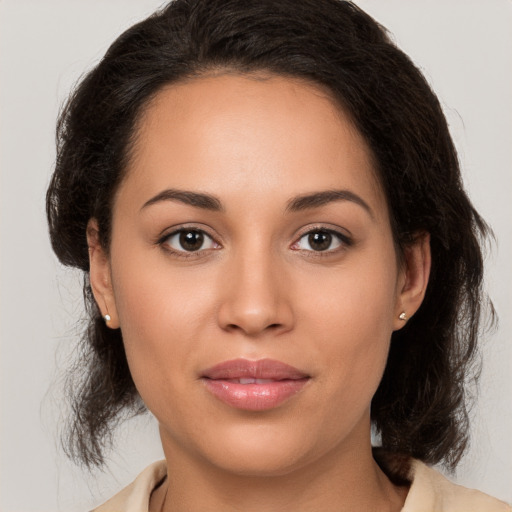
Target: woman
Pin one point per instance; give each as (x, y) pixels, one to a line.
(279, 254)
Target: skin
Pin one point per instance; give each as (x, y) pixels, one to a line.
(256, 289)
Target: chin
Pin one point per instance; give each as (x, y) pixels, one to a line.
(258, 463)
(261, 451)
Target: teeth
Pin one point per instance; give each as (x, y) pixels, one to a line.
(254, 381)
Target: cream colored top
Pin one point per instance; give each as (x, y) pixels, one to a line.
(429, 492)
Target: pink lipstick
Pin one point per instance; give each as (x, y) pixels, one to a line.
(254, 385)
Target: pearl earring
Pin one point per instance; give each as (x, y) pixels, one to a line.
(107, 318)
(402, 316)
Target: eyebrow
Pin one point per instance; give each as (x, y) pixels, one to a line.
(196, 199)
(296, 204)
(318, 199)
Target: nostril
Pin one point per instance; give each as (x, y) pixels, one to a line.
(252, 329)
(253, 315)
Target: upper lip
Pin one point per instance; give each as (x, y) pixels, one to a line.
(260, 369)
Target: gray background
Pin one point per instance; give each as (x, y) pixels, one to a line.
(463, 46)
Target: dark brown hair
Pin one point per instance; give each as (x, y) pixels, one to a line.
(419, 408)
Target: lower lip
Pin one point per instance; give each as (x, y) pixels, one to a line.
(254, 397)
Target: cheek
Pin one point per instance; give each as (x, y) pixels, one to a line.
(358, 299)
(352, 321)
(162, 314)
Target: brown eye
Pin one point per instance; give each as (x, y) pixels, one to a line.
(320, 240)
(189, 240)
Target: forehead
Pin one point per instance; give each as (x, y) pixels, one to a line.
(260, 134)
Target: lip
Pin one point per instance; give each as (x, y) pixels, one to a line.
(281, 382)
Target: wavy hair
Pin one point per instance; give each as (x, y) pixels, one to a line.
(419, 408)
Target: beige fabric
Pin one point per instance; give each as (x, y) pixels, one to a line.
(432, 492)
(135, 497)
(429, 492)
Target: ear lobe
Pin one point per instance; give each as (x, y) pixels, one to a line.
(414, 280)
(100, 276)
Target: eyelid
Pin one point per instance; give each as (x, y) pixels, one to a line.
(192, 226)
(175, 230)
(342, 235)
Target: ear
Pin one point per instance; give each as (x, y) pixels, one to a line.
(413, 279)
(100, 276)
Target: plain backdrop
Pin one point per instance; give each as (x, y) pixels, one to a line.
(465, 49)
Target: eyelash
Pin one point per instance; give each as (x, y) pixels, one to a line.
(343, 240)
(164, 242)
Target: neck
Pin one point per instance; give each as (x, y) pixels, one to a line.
(341, 481)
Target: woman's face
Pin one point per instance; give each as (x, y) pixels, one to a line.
(251, 240)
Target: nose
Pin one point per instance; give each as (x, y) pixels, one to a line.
(254, 298)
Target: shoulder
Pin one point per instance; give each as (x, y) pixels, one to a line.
(432, 492)
(135, 497)
(429, 492)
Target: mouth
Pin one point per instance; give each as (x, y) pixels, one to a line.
(254, 385)
(250, 381)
